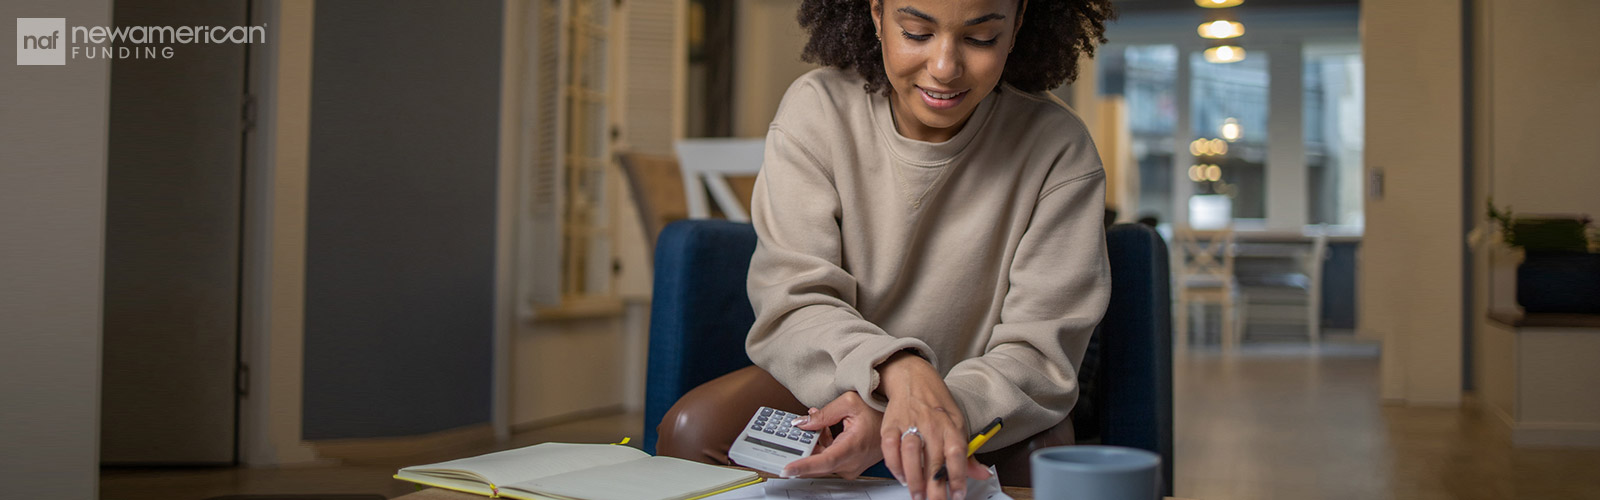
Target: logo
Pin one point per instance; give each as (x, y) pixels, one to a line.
(50, 42)
(41, 41)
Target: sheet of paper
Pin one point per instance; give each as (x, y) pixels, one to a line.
(844, 489)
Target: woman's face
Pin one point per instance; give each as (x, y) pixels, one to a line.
(943, 57)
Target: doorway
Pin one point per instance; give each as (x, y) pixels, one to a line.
(172, 261)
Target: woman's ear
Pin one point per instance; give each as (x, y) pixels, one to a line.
(1022, 8)
(876, 6)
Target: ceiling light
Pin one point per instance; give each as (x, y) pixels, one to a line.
(1224, 54)
(1218, 30)
(1231, 130)
(1218, 4)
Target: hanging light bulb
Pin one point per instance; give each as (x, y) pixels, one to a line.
(1220, 29)
(1213, 173)
(1224, 54)
(1218, 4)
(1231, 130)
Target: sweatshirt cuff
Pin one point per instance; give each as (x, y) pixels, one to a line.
(858, 371)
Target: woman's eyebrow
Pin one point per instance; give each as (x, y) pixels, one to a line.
(985, 18)
(977, 20)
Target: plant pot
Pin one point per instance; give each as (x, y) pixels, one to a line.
(1559, 282)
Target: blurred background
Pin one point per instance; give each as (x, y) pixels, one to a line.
(397, 232)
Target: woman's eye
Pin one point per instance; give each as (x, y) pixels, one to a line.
(919, 38)
(983, 43)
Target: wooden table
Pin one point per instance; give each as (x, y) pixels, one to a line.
(1017, 493)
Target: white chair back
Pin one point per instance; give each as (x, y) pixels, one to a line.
(706, 163)
(1205, 256)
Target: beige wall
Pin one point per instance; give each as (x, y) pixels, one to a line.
(568, 367)
(766, 61)
(1534, 145)
(273, 302)
(53, 126)
(1410, 272)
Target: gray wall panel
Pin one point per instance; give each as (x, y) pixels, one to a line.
(401, 224)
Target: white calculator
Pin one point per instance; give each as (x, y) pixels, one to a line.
(770, 441)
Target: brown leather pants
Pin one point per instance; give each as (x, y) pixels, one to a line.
(702, 425)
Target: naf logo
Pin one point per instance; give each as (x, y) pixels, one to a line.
(41, 41)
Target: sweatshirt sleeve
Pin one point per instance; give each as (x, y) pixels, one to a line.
(808, 333)
(1060, 283)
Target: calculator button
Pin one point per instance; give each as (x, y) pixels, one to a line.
(794, 437)
(766, 411)
(805, 440)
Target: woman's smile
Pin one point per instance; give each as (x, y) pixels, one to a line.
(941, 100)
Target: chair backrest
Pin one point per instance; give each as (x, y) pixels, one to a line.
(701, 314)
(1134, 345)
(1204, 254)
(706, 165)
(658, 192)
(1318, 253)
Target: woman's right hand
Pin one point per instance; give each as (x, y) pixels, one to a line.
(852, 451)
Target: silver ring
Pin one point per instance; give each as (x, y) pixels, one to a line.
(909, 431)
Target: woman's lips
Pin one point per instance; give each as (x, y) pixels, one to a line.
(940, 100)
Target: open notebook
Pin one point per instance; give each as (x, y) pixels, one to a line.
(580, 472)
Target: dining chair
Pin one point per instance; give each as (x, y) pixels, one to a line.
(1280, 284)
(658, 193)
(1204, 276)
(706, 165)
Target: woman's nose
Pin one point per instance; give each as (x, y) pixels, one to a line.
(945, 65)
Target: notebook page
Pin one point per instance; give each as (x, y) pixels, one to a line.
(658, 478)
(533, 462)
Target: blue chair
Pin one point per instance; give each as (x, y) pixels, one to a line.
(701, 313)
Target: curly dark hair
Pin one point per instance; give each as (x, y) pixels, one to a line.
(1053, 34)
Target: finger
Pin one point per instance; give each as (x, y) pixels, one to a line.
(891, 453)
(825, 437)
(955, 459)
(810, 422)
(934, 457)
(977, 470)
(857, 445)
(833, 413)
(816, 465)
(911, 465)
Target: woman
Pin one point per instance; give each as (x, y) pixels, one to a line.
(931, 251)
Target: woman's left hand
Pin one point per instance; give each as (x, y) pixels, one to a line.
(919, 400)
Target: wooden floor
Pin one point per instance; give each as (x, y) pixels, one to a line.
(1274, 422)
(1278, 422)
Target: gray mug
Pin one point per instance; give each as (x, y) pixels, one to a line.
(1095, 473)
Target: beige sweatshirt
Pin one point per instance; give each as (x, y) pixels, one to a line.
(985, 253)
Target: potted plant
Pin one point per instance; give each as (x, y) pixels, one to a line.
(1559, 272)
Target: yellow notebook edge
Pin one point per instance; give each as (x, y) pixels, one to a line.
(494, 491)
(752, 482)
